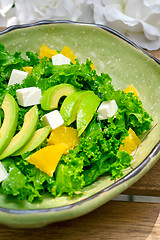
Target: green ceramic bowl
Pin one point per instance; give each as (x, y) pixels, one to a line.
(126, 64)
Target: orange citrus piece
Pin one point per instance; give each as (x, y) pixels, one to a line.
(66, 135)
(46, 52)
(131, 88)
(131, 142)
(28, 69)
(92, 65)
(67, 52)
(47, 158)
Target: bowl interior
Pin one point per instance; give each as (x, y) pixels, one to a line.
(110, 54)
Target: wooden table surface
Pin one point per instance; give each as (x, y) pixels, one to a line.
(115, 220)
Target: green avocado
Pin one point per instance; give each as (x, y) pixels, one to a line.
(0, 121)
(69, 107)
(10, 121)
(51, 96)
(37, 139)
(24, 135)
(86, 110)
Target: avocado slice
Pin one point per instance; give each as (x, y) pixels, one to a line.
(86, 110)
(37, 139)
(69, 107)
(10, 121)
(24, 135)
(52, 95)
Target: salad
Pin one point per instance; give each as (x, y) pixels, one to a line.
(62, 125)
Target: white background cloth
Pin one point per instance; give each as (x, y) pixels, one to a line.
(139, 20)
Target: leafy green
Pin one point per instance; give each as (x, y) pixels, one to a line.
(97, 154)
(16, 184)
(68, 179)
(135, 115)
(24, 180)
(8, 61)
(33, 58)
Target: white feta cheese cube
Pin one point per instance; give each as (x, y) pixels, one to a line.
(3, 172)
(107, 109)
(53, 119)
(16, 77)
(28, 96)
(60, 59)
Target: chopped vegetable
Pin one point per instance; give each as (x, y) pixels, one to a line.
(51, 97)
(24, 135)
(37, 139)
(8, 127)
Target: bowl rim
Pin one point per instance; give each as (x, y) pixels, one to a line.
(106, 28)
(134, 171)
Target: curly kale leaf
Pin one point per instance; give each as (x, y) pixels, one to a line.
(135, 115)
(24, 180)
(97, 154)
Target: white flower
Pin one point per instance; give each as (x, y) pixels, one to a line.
(28, 11)
(91, 11)
(139, 20)
(3, 21)
(5, 5)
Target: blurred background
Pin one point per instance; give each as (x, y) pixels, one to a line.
(138, 20)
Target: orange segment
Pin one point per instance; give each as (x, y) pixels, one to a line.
(28, 69)
(66, 135)
(67, 52)
(47, 158)
(46, 52)
(131, 142)
(92, 65)
(131, 88)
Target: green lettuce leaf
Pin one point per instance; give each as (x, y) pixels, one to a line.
(16, 184)
(135, 115)
(24, 180)
(8, 62)
(68, 179)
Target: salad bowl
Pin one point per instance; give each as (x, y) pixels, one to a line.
(127, 64)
